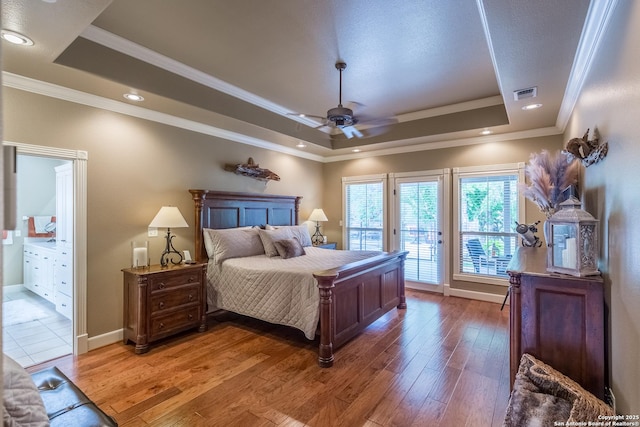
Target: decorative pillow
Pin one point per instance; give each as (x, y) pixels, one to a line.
(289, 248)
(541, 396)
(299, 231)
(270, 236)
(22, 402)
(232, 243)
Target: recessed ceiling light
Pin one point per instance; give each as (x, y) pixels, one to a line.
(301, 144)
(16, 38)
(486, 132)
(531, 106)
(133, 97)
(356, 150)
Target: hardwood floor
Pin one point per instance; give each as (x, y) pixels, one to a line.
(442, 362)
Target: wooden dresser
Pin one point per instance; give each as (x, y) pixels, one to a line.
(557, 318)
(160, 302)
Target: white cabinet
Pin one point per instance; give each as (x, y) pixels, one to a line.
(38, 267)
(64, 282)
(64, 240)
(64, 205)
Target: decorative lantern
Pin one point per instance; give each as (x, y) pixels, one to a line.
(574, 241)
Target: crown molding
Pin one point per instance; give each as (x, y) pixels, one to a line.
(66, 94)
(127, 47)
(417, 144)
(598, 17)
(461, 142)
(450, 109)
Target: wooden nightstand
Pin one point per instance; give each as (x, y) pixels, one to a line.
(329, 245)
(160, 302)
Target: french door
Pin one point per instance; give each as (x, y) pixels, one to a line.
(420, 227)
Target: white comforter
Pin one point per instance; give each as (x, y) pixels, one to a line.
(275, 290)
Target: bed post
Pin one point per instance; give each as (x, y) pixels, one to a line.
(325, 351)
(198, 196)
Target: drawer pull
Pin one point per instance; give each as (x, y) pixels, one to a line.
(190, 297)
(161, 305)
(161, 325)
(191, 279)
(191, 317)
(161, 285)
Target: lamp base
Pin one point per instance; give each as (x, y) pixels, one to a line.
(317, 238)
(169, 252)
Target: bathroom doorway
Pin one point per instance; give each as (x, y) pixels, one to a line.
(37, 276)
(58, 325)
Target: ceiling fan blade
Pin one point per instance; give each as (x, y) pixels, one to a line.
(355, 105)
(311, 116)
(376, 121)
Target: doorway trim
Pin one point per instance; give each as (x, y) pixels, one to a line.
(79, 159)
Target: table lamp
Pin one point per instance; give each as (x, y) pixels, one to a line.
(170, 217)
(317, 215)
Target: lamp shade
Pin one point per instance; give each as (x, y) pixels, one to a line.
(170, 217)
(318, 215)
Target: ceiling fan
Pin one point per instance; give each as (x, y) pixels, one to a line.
(343, 118)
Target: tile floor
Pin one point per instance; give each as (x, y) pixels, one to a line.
(40, 340)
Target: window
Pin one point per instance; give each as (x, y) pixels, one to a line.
(365, 206)
(488, 206)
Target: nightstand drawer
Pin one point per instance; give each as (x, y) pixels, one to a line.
(173, 280)
(174, 321)
(168, 300)
(163, 301)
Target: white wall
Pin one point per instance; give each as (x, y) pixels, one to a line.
(610, 102)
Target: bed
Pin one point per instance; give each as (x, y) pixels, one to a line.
(349, 297)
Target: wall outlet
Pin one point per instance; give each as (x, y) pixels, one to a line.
(152, 232)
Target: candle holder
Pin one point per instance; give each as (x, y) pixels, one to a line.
(139, 254)
(574, 241)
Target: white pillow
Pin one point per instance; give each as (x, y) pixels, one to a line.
(299, 231)
(22, 402)
(270, 236)
(232, 243)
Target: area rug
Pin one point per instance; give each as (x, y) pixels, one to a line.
(21, 311)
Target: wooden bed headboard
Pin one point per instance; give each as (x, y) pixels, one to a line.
(222, 209)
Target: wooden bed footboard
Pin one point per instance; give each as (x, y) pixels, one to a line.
(354, 296)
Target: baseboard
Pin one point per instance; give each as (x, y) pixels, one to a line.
(105, 339)
(115, 336)
(481, 296)
(422, 287)
(82, 344)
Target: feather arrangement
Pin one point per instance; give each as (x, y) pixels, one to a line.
(548, 175)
